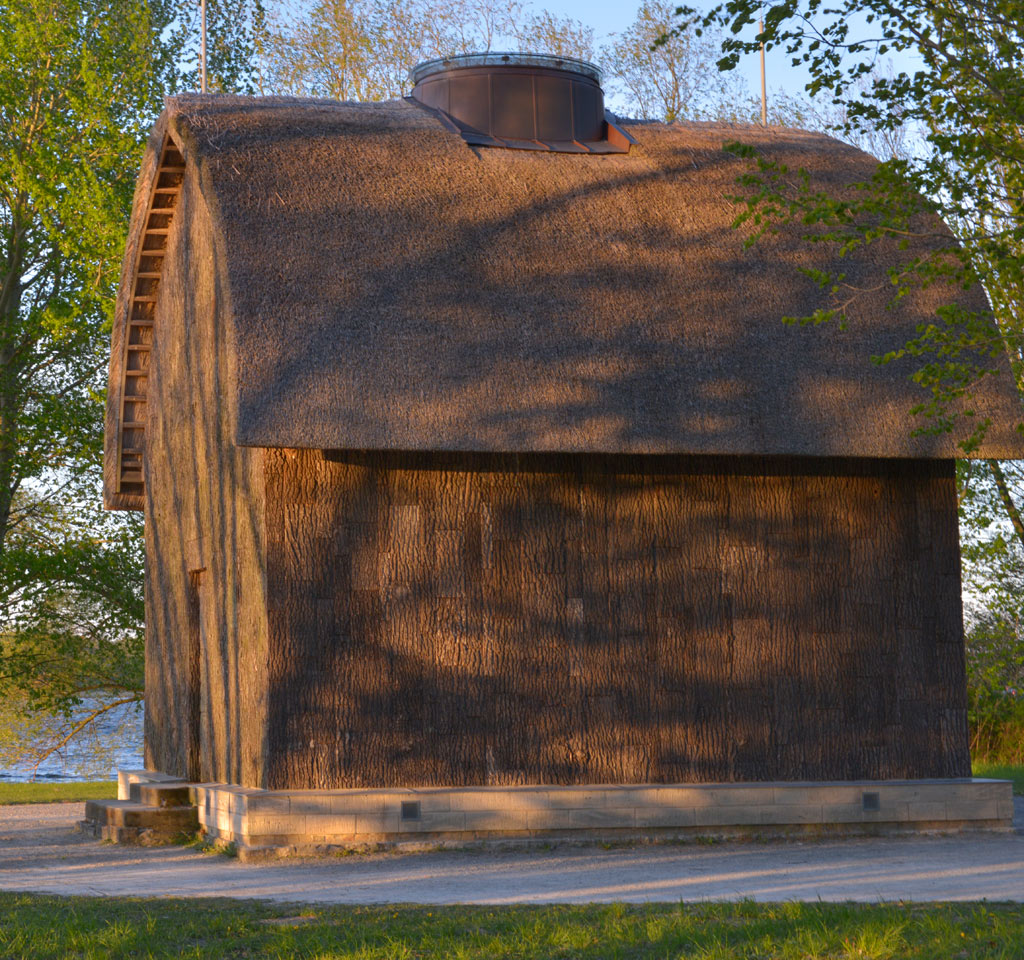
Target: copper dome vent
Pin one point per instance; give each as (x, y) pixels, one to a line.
(526, 101)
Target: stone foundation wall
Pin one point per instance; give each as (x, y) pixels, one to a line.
(307, 821)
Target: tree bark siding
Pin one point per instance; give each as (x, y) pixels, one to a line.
(204, 512)
(499, 619)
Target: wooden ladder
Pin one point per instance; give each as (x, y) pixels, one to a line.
(138, 339)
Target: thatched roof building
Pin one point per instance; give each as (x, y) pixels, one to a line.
(478, 464)
(493, 300)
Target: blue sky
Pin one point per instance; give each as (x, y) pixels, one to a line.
(605, 16)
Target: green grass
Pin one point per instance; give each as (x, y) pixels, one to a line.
(57, 792)
(1001, 771)
(107, 789)
(37, 926)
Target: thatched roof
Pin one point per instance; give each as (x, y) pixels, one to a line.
(393, 288)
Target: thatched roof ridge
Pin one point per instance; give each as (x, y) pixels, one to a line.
(394, 288)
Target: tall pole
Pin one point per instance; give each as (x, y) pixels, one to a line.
(202, 47)
(764, 88)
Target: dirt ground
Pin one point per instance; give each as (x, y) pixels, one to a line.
(41, 851)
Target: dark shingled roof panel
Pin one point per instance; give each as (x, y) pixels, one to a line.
(394, 288)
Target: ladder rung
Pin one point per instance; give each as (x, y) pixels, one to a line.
(132, 450)
(157, 231)
(140, 346)
(131, 476)
(153, 252)
(148, 275)
(170, 169)
(144, 298)
(133, 424)
(167, 189)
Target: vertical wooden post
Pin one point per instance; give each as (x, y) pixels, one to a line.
(202, 47)
(764, 89)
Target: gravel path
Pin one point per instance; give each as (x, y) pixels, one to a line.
(41, 851)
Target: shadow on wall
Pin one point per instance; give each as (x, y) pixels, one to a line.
(495, 619)
(205, 604)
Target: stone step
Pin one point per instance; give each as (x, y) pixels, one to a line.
(173, 794)
(127, 813)
(127, 821)
(126, 779)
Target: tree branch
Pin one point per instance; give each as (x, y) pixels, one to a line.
(1004, 494)
(79, 727)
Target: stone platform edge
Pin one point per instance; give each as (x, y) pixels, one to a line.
(277, 822)
(126, 778)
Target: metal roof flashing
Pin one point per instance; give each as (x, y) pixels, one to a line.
(498, 58)
(520, 101)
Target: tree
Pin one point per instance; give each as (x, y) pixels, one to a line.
(233, 28)
(80, 83)
(364, 49)
(545, 32)
(674, 80)
(992, 546)
(68, 139)
(965, 97)
(789, 109)
(330, 53)
(72, 640)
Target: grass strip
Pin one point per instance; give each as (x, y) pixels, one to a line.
(107, 789)
(57, 792)
(40, 926)
(1001, 771)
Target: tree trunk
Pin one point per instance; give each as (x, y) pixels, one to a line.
(10, 386)
(1012, 513)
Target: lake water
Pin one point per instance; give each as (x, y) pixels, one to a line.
(116, 744)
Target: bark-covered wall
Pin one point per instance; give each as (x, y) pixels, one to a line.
(462, 619)
(205, 604)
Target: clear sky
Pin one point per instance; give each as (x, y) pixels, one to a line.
(605, 16)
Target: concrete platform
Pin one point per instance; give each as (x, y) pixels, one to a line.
(274, 823)
(41, 851)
